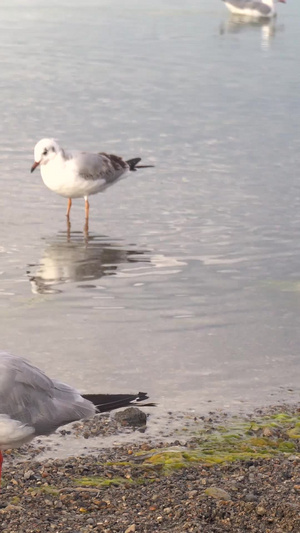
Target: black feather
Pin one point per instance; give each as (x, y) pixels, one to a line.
(108, 402)
(134, 162)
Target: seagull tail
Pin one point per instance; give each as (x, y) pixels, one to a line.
(109, 402)
(133, 164)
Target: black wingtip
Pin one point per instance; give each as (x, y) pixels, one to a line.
(109, 402)
(142, 396)
(144, 166)
(134, 164)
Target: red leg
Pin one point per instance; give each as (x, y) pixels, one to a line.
(69, 207)
(1, 461)
(87, 208)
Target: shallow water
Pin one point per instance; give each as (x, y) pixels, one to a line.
(188, 282)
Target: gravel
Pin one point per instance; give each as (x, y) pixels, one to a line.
(120, 490)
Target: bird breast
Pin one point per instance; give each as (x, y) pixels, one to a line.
(65, 178)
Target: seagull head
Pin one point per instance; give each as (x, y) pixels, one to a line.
(44, 151)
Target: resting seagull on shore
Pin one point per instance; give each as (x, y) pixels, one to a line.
(79, 175)
(32, 404)
(253, 8)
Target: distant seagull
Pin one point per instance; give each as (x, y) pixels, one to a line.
(79, 175)
(32, 404)
(250, 8)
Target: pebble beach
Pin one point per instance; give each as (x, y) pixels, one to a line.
(217, 473)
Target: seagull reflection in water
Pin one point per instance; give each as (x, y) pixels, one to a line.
(76, 257)
(268, 27)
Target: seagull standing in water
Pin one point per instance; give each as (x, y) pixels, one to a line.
(253, 8)
(79, 175)
(32, 404)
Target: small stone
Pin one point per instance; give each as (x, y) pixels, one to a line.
(145, 446)
(11, 507)
(29, 474)
(130, 529)
(132, 416)
(250, 497)
(217, 493)
(260, 510)
(267, 432)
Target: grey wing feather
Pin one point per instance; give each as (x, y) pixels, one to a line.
(260, 6)
(238, 3)
(101, 166)
(28, 395)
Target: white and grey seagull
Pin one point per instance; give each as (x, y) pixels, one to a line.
(79, 175)
(253, 8)
(32, 404)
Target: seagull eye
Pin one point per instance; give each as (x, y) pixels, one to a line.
(45, 152)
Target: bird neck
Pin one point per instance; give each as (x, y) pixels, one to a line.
(64, 155)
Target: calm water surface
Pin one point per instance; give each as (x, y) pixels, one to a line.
(188, 283)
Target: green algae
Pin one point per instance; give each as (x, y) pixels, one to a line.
(294, 433)
(237, 440)
(15, 500)
(44, 489)
(98, 481)
(233, 439)
(117, 463)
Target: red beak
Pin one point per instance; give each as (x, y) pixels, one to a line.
(35, 164)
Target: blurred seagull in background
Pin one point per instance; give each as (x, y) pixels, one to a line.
(79, 175)
(252, 8)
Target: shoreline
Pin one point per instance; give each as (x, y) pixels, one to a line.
(214, 473)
